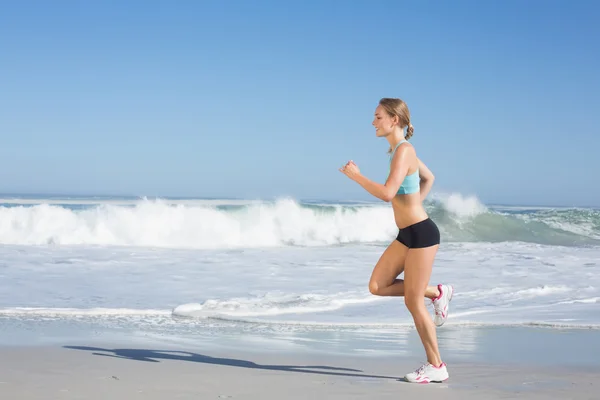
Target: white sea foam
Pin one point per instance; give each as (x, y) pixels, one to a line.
(272, 305)
(285, 222)
(462, 206)
(495, 283)
(155, 223)
(276, 268)
(80, 312)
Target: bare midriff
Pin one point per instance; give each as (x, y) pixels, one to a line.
(408, 209)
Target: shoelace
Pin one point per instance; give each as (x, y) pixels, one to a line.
(421, 369)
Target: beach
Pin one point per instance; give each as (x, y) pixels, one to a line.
(197, 200)
(158, 371)
(207, 298)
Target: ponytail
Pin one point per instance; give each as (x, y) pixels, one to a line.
(410, 130)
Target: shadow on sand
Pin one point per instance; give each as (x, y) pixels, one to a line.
(156, 355)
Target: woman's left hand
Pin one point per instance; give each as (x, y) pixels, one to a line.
(350, 170)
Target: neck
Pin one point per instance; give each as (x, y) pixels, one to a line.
(395, 137)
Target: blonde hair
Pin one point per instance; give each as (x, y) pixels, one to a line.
(398, 108)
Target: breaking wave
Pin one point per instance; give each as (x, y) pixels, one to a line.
(284, 222)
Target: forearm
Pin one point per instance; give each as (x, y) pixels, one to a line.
(425, 188)
(376, 189)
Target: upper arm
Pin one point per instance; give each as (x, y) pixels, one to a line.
(425, 173)
(398, 169)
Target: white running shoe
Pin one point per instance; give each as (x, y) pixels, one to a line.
(441, 304)
(427, 373)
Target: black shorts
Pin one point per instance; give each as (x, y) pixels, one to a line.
(421, 234)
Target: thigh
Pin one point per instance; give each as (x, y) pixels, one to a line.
(390, 264)
(417, 270)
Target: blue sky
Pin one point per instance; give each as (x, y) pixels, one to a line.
(264, 99)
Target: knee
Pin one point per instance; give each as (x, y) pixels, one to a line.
(414, 302)
(374, 288)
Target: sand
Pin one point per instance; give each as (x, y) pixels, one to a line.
(111, 371)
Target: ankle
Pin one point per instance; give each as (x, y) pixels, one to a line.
(438, 363)
(433, 293)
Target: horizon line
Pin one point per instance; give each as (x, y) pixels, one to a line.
(48, 196)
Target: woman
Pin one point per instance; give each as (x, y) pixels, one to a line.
(414, 250)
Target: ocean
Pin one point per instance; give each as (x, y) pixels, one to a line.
(281, 274)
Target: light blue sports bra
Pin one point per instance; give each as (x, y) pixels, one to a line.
(411, 182)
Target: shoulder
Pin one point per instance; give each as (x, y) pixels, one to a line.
(405, 149)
